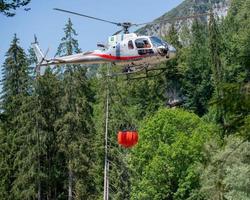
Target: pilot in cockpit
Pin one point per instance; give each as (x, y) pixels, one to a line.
(146, 44)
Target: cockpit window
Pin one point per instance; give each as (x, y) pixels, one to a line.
(157, 42)
(142, 43)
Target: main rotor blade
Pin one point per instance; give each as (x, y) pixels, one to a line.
(82, 15)
(116, 33)
(175, 19)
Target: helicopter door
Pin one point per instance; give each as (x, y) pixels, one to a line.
(118, 50)
(144, 47)
(130, 45)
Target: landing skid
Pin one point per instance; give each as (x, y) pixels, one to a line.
(139, 72)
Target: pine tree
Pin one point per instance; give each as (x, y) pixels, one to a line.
(4, 165)
(129, 101)
(50, 163)
(225, 176)
(215, 53)
(26, 162)
(68, 45)
(75, 127)
(15, 92)
(15, 79)
(8, 7)
(32, 162)
(196, 83)
(230, 48)
(173, 76)
(173, 37)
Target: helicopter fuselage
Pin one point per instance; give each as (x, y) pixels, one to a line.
(126, 49)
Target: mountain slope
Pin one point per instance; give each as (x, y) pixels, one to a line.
(187, 7)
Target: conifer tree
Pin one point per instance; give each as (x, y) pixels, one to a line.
(173, 37)
(32, 138)
(215, 47)
(26, 162)
(75, 127)
(8, 7)
(173, 75)
(233, 102)
(4, 165)
(215, 53)
(118, 118)
(15, 79)
(14, 94)
(49, 163)
(196, 83)
(68, 45)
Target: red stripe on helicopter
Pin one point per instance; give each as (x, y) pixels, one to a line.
(117, 57)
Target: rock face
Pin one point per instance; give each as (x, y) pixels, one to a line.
(186, 8)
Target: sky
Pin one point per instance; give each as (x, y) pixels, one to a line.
(48, 24)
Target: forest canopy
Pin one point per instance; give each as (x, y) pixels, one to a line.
(52, 126)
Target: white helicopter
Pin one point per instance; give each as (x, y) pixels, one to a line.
(128, 49)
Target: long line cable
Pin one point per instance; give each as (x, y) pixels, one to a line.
(123, 106)
(106, 165)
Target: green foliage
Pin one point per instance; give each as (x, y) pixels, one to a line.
(28, 150)
(15, 78)
(52, 128)
(145, 97)
(68, 44)
(165, 159)
(75, 130)
(14, 95)
(236, 36)
(229, 60)
(196, 83)
(47, 98)
(226, 176)
(4, 165)
(118, 170)
(74, 126)
(8, 7)
(172, 76)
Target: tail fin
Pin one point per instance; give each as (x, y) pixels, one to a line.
(40, 70)
(38, 52)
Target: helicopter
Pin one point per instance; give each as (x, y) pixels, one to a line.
(129, 50)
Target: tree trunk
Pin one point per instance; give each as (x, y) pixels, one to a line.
(39, 190)
(70, 184)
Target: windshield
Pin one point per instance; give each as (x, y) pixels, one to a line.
(142, 43)
(157, 42)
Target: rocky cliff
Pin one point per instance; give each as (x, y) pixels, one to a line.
(187, 7)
